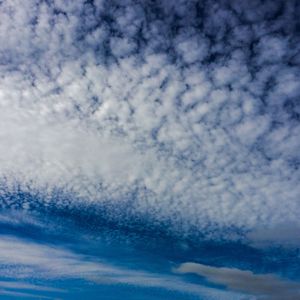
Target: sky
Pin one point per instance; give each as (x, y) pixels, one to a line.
(150, 149)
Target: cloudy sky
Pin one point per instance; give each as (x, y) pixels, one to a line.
(149, 149)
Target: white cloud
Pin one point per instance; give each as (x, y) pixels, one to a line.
(23, 295)
(287, 234)
(263, 286)
(22, 259)
(27, 286)
(208, 131)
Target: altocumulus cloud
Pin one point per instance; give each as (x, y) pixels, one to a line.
(189, 109)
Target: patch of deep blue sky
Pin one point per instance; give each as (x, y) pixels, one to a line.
(136, 136)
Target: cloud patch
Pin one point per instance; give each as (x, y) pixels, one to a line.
(264, 286)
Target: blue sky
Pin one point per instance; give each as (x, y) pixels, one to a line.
(149, 149)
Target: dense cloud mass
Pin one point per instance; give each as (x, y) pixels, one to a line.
(181, 112)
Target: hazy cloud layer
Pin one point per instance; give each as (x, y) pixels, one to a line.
(189, 109)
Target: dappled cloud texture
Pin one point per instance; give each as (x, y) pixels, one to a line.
(186, 111)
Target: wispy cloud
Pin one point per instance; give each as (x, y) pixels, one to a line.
(22, 295)
(27, 286)
(263, 286)
(22, 259)
(21, 289)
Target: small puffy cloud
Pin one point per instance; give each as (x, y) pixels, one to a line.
(121, 47)
(192, 49)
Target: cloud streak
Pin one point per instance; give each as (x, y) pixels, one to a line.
(264, 286)
(16, 289)
(22, 259)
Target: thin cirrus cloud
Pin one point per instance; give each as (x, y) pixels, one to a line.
(24, 259)
(200, 123)
(22, 295)
(24, 290)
